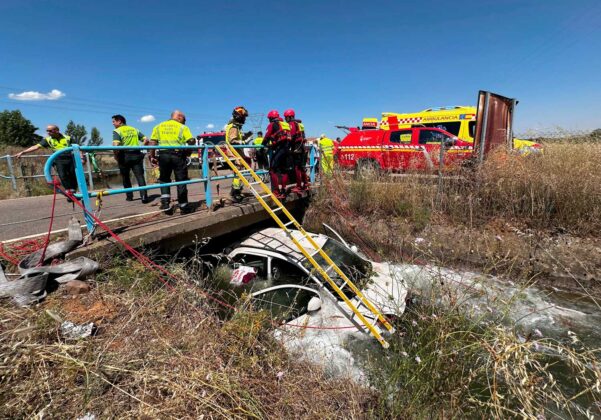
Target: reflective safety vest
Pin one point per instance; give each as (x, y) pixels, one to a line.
(238, 138)
(59, 144)
(299, 135)
(258, 141)
(284, 133)
(326, 146)
(171, 133)
(129, 136)
(298, 138)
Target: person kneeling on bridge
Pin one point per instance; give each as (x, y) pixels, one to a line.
(172, 132)
(64, 165)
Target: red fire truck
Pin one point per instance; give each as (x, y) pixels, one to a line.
(401, 149)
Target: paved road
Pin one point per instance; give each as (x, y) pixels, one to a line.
(22, 217)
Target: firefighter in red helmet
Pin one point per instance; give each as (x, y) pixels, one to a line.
(299, 154)
(277, 139)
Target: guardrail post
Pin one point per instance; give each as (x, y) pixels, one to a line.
(89, 169)
(26, 181)
(83, 188)
(312, 164)
(206, 174)
(11, 172)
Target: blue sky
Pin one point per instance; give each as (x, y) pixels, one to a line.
(333, 61)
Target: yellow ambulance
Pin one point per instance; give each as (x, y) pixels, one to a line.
(457, 120)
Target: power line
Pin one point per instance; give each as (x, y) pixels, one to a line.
(110, 106)
(92, 109)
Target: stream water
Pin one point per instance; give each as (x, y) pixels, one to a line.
(531, 310)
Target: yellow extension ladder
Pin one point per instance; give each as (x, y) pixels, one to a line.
(364, 323)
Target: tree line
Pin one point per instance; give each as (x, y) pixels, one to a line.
(16, 130)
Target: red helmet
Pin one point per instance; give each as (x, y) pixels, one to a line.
(289, 113)
(273, 114)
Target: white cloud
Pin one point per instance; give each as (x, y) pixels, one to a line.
(31, 95)
(147, 118)
(210, 126)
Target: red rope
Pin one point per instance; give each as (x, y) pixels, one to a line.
(7, 256)
(47, 241)
(15, 251)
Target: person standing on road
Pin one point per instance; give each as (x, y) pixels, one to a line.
(129, 160)
(64, 165)
(277, 138)
(260, 154)
(172, 132)
(233, 136)
(299, 153)
(326, 152)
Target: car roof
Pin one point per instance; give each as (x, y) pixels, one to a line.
(275, 239)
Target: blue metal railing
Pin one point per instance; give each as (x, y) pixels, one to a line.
(84, 194)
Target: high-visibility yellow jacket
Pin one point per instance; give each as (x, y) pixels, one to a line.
(56, 144)
(326, 145)
(171, 133)
(236, 140)
(126, 136)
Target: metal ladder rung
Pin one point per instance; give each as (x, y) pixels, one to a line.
(289, 223)
(277, 209)
(265, 196)
(254, 183)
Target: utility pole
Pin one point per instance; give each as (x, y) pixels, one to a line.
(256, 122)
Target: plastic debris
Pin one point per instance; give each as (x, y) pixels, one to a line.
(73, 331)
(30, 286)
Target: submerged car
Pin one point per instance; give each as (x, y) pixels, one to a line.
(285, 283)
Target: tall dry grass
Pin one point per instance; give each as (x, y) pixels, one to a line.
(448, 362)
(559, 190)
(157, 354)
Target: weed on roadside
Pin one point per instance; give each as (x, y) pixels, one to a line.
(158, 353)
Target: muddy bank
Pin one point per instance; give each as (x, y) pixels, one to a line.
(554, 259)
